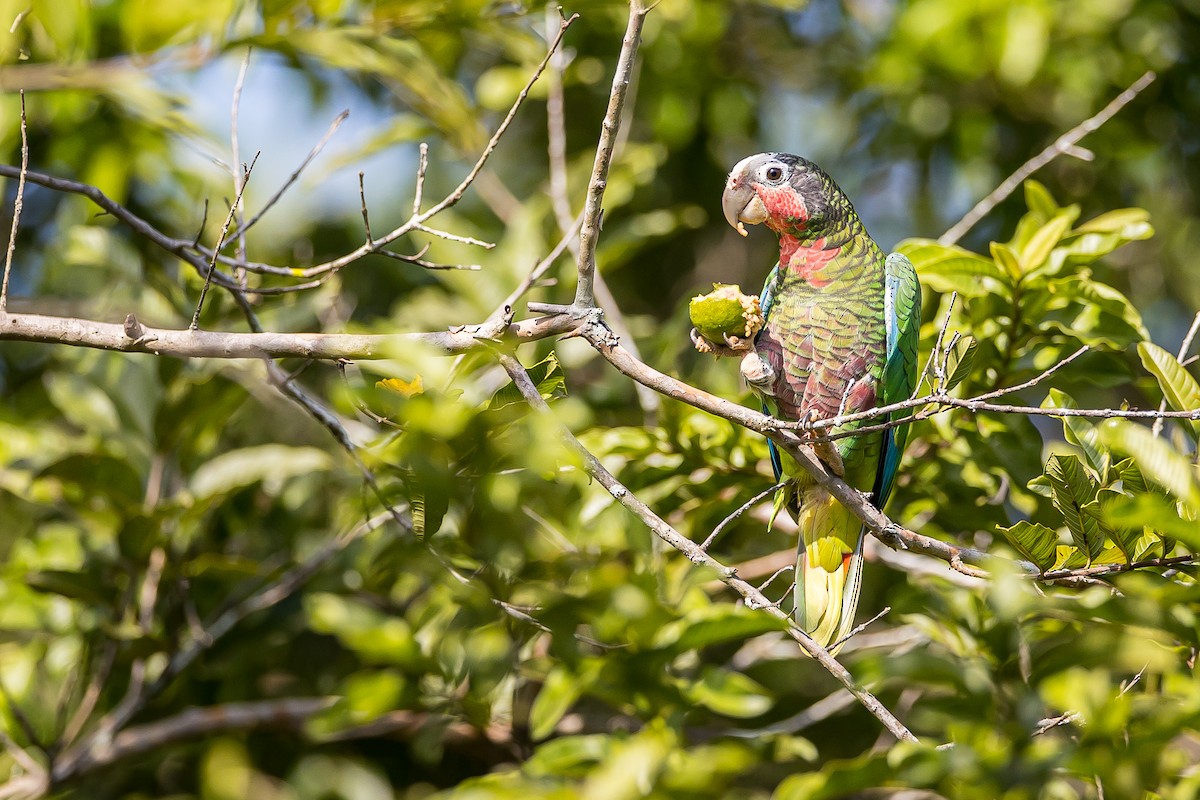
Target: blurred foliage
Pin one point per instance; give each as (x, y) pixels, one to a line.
(533, 641)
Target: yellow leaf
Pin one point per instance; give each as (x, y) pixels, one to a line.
(403, 388)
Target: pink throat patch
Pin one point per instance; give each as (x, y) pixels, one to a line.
(807, 260)
(787, 216)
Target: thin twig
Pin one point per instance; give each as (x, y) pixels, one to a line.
(235, 151)
(742, 509)
(1063, 145)
(860, 628)
(1053, 722)
(308, 159)
(18, 204)
(220, 242)
(1110, 569)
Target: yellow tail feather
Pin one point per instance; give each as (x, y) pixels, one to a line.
(828, 566)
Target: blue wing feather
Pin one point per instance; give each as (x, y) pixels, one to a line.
(766, 301)
(902, 318)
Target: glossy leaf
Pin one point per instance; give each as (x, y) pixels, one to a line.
(1156, 459)
(1035, 542)
(1178, 386)
(951, 268)
(1073, 487)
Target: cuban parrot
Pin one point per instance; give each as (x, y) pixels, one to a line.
(841, 331)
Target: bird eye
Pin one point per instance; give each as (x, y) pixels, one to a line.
(774, 173)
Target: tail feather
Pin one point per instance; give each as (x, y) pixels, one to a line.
(828, 566)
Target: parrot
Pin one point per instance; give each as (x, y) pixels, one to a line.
(841, 330)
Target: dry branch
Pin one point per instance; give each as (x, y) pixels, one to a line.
(589, 235)
(134, 337)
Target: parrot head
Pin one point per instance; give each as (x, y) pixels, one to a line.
(792, 195)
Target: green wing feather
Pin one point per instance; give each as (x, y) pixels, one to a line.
(902, 318)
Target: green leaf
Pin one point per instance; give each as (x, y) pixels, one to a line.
(1125, 539)
(959, 360)
(1003, 255)
(1092, 312)
(565, 756)
(1130, 221)
(715, 624)
(1043, 242)
(273, 463)
(1039, 200)
(559, 692)
(1131, 478)
(1072, 487)
(428, 501)
(1034, 541)
(730, 694)
(1178, 386)
(1156, 459)
(1079, 432)
(83, 586)
(1068, 557)
(1099, 237)
(376, 637)
(950, 268)
(547, 375)
(1150, 512)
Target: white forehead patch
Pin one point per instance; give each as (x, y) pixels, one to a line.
(740, 166)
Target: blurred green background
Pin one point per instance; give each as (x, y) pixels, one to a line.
(641, 676)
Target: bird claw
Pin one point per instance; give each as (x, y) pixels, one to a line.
(733, 346)
(758, 373)
(829, 455)
(826, 451)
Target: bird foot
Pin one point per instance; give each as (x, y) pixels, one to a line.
(829, 455)
(826, 450)
(733, 346)
(758, 373)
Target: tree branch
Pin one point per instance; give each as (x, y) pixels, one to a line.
(590, 233)
(18, 204)
(189, 724)
(134, 337)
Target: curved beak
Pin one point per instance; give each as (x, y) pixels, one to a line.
(741, 204)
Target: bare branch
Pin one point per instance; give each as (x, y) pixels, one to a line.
(697, 556)
(560, 202)
(1063, 145)
(312, 154)
(590, 233)
(213, 344)
(18, 204)
(1111, 569)
(237, 202)
(742, 509)
(189, 724)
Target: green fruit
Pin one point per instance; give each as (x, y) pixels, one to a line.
(725, 313)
